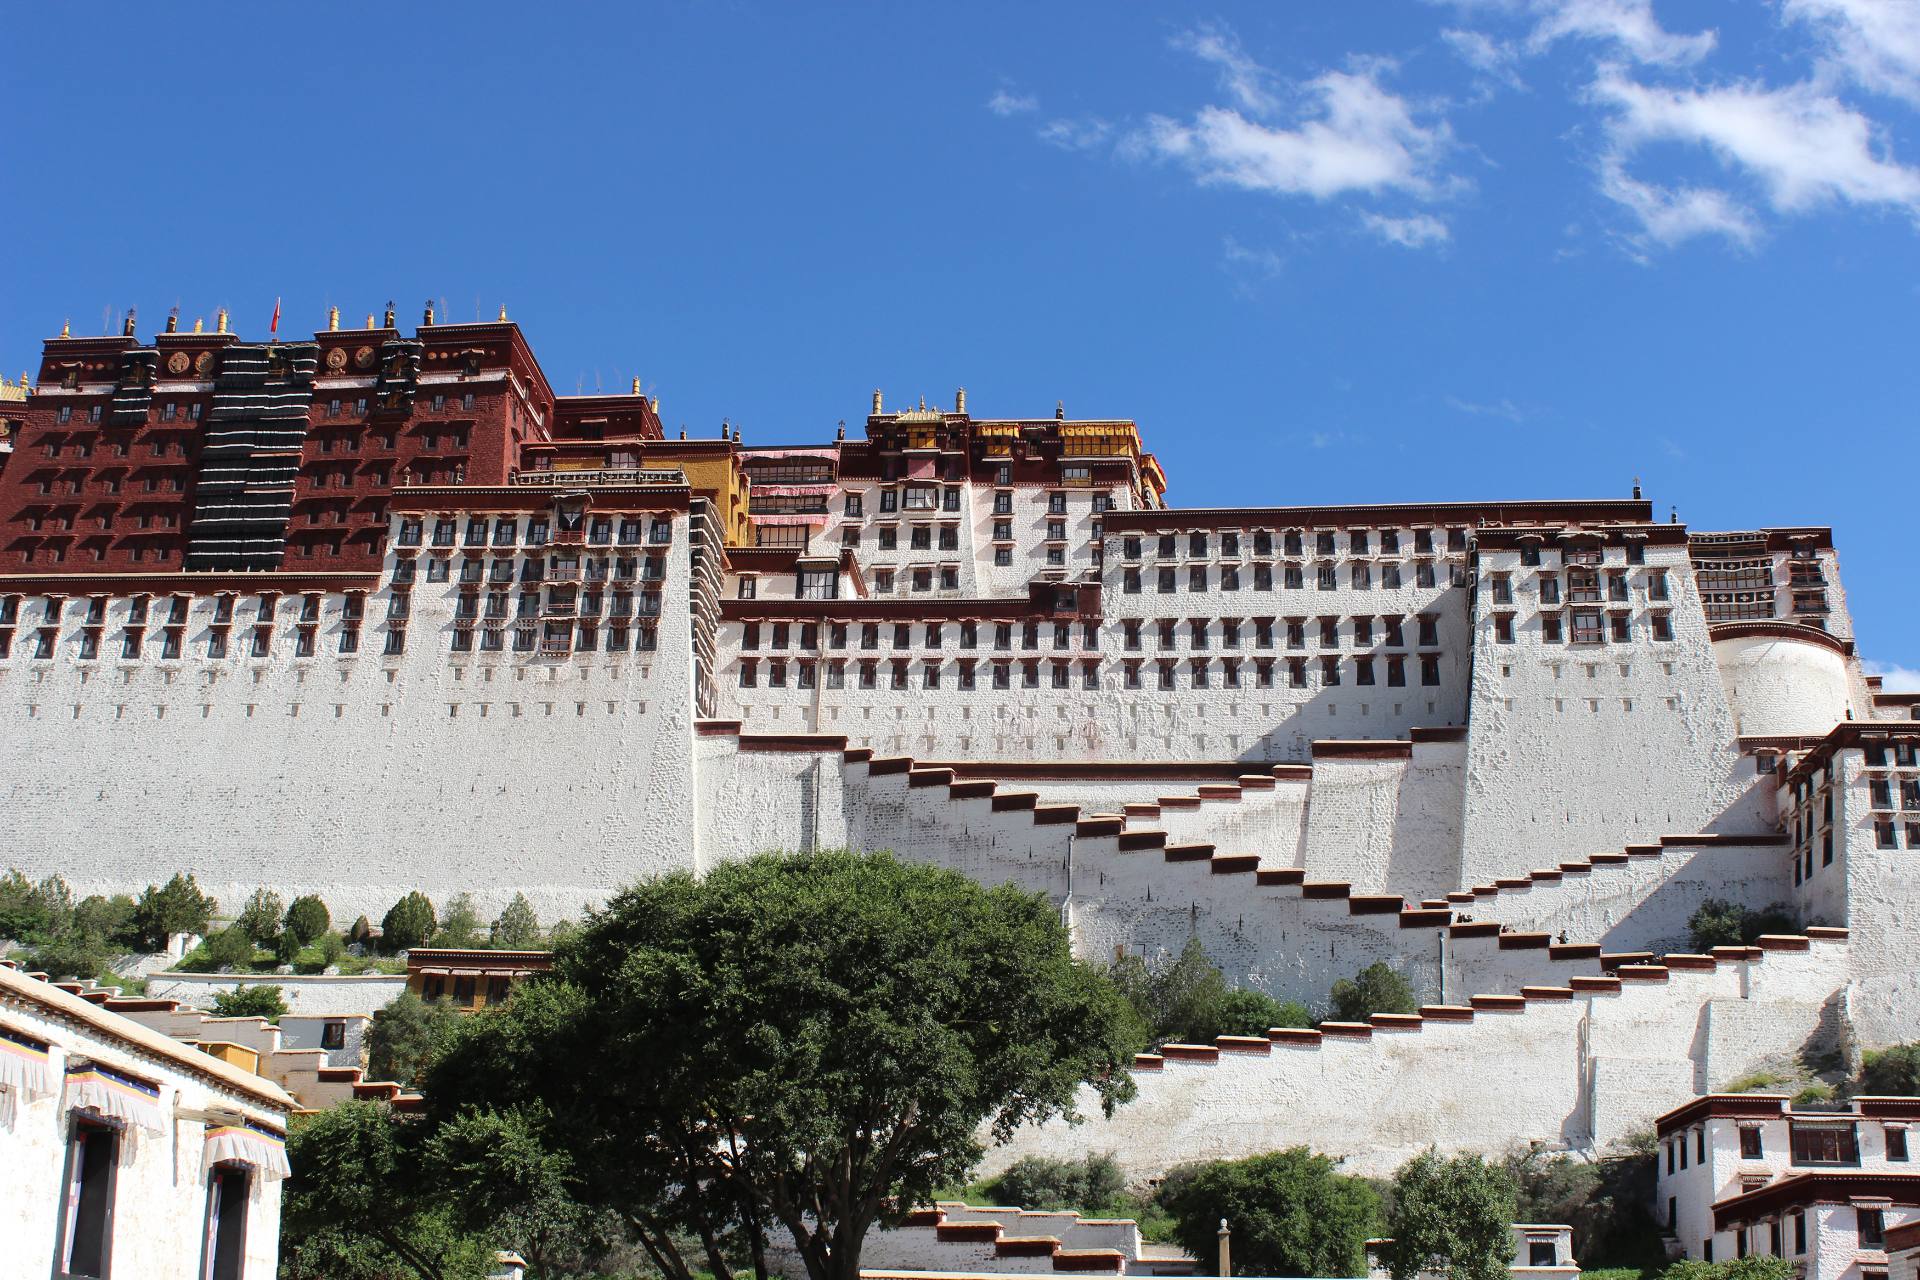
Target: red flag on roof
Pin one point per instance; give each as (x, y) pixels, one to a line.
(274, 328)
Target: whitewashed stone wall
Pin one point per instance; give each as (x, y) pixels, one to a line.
(317, 994)
(1572, 749)
(357, 778)
(1576, 1070)
(1777, 685)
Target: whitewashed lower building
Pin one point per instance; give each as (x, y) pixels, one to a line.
(126, 1155)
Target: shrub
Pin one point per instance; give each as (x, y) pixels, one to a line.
(1090, 1185)
(179, 907)
(1817, 1094)
(260, 918)
(1245, 1012)
(517, 928)
(250, 1000)
(333, 949)
(1753, 1082)
(1375, 989)
(1719, 923)
(1755, 1266)
(1291, 1214)
(1895, 1070)
(408, 923)
(230, 948)
(308, 918)
(286, 947)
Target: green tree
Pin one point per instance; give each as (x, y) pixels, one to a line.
(1189, 1001)
(109, 919)
(308, 918)
(1719, 923)
(20, 917)
(179, 907)
(878, 1017)
(230, 948)
(260, 918)
(333, 949)
(1891, 1071)
(406, 1036)
(1090, 1185)
(250, 1000)
(1604, 1201)
(70, 953)
(1290, 1212)
(360, 1204)
(517, 927)
(1375, 989)
(460, 924)
(286, 946)
(408, 923)
(1453, 1216)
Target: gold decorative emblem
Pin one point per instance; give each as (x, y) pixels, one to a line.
(337, 359)
(203, 363)
(178, 362)
(363, 358)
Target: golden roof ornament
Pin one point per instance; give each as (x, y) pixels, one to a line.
(173, 320)
(333, 319)
(503, 313)
(636, 386)
(389, 323)
(429, 317)
(960, 400)
(220, 321)
(199, 325)
(66, 328)
(876, 401)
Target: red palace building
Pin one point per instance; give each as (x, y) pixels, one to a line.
(206, 452)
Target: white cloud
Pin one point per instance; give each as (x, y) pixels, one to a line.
(1359, 136)
(1875, 43)
(1244, 80)
(1413, 232)
(1492, 58)
(1670, 215)
(1629, 25)
(1894, 678)
(1248, 260)
(1803, 146)
(1083, 134)
(1506, 409)
(1005, 102)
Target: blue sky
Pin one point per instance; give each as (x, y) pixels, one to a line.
(1321, 252)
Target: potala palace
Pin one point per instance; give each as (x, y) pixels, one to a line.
(369, 612)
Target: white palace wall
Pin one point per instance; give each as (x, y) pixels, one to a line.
(1574, 1067)
(357, 778)
(1577, 748)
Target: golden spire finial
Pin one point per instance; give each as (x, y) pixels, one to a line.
(656, 404)
(66, 328)
(333, 319)
(220, 321)
(199, 325)
(876, 401)
(389, 323)
(369, 319)
(503, 313)
(429, 318)
(636, 386)
(960, 400)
